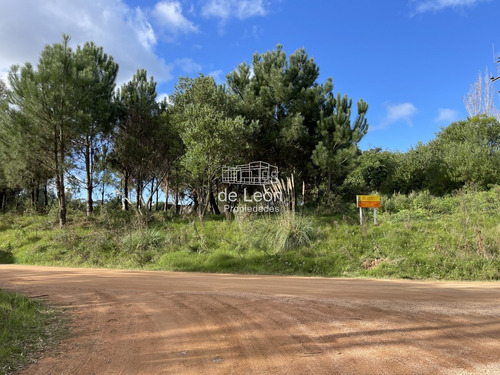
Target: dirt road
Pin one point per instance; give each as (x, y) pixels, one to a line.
(132, 322)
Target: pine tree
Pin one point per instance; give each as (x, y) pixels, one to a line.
(282, 98)
(46, 102)
(95, 81)
(135, 150)
(337, 137)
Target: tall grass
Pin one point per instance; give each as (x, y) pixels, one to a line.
(287, 230)
(419, 236)
(26, 327)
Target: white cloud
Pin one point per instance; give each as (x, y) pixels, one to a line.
(187, 65)
(423, 6)
(169, 15)
(395, 113)
(145, 32)
(161, 97)
(125, 33)
(241, 9)
(400, 112)
(446, 115)
(218, 76)
(252, 72)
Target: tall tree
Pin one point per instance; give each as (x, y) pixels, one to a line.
(168, 162)
(3, 157)
(47, 99)
(135, 146)
(212, 134)
(96, 75)
(337, 136)
(25, 157)
(479, 99)
(282, 97)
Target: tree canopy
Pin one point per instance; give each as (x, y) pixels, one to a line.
(64, 119)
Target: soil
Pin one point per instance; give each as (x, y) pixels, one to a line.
(136, 322)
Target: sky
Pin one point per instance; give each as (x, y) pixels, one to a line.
(412, 61)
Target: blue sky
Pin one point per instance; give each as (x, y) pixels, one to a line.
(411, 60)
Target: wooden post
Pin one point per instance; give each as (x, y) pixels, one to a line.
(375, 216)
(360, 216)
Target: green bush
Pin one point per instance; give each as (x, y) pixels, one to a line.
(6, 256)
(144, 244)
(283, 232)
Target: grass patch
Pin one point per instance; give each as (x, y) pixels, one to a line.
(27, 327)
(418, 237)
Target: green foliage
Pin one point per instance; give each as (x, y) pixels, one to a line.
(144, 245)
(465, 152)
(338, 139)
(420, 168)
(135, 152)
(419, 236)
(60, 107)
(96, 74)
(291, 231)
(57, 117)
(373, 171)
(283, 101)
(26, 328)
(6, 256)
(281, 233)
(212, 135)
(471, 151)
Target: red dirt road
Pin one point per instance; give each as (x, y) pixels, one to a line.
(134, 322)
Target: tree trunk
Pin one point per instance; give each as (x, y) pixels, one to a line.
(166, 195)
(150, 208)
(46, 195)
(102, 195)
(125, 190)
(195, 200)
(37, 194)
(59, 152)
(32, 195)
(177, 208)
(3, 198)
(213, 203)
(156, 207)
(139, 194)
(88, 174)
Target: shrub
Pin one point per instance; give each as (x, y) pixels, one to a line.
(283, 232)
(143, 244)
(6, 256)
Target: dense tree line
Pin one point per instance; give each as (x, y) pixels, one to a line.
(465, 152)
(65, 121)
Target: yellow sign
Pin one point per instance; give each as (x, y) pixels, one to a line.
(368, 201)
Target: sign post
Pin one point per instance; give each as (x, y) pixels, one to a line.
(368, 201)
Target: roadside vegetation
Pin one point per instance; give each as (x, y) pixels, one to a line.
(27, 327)
(99, 176)
(419, 236)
